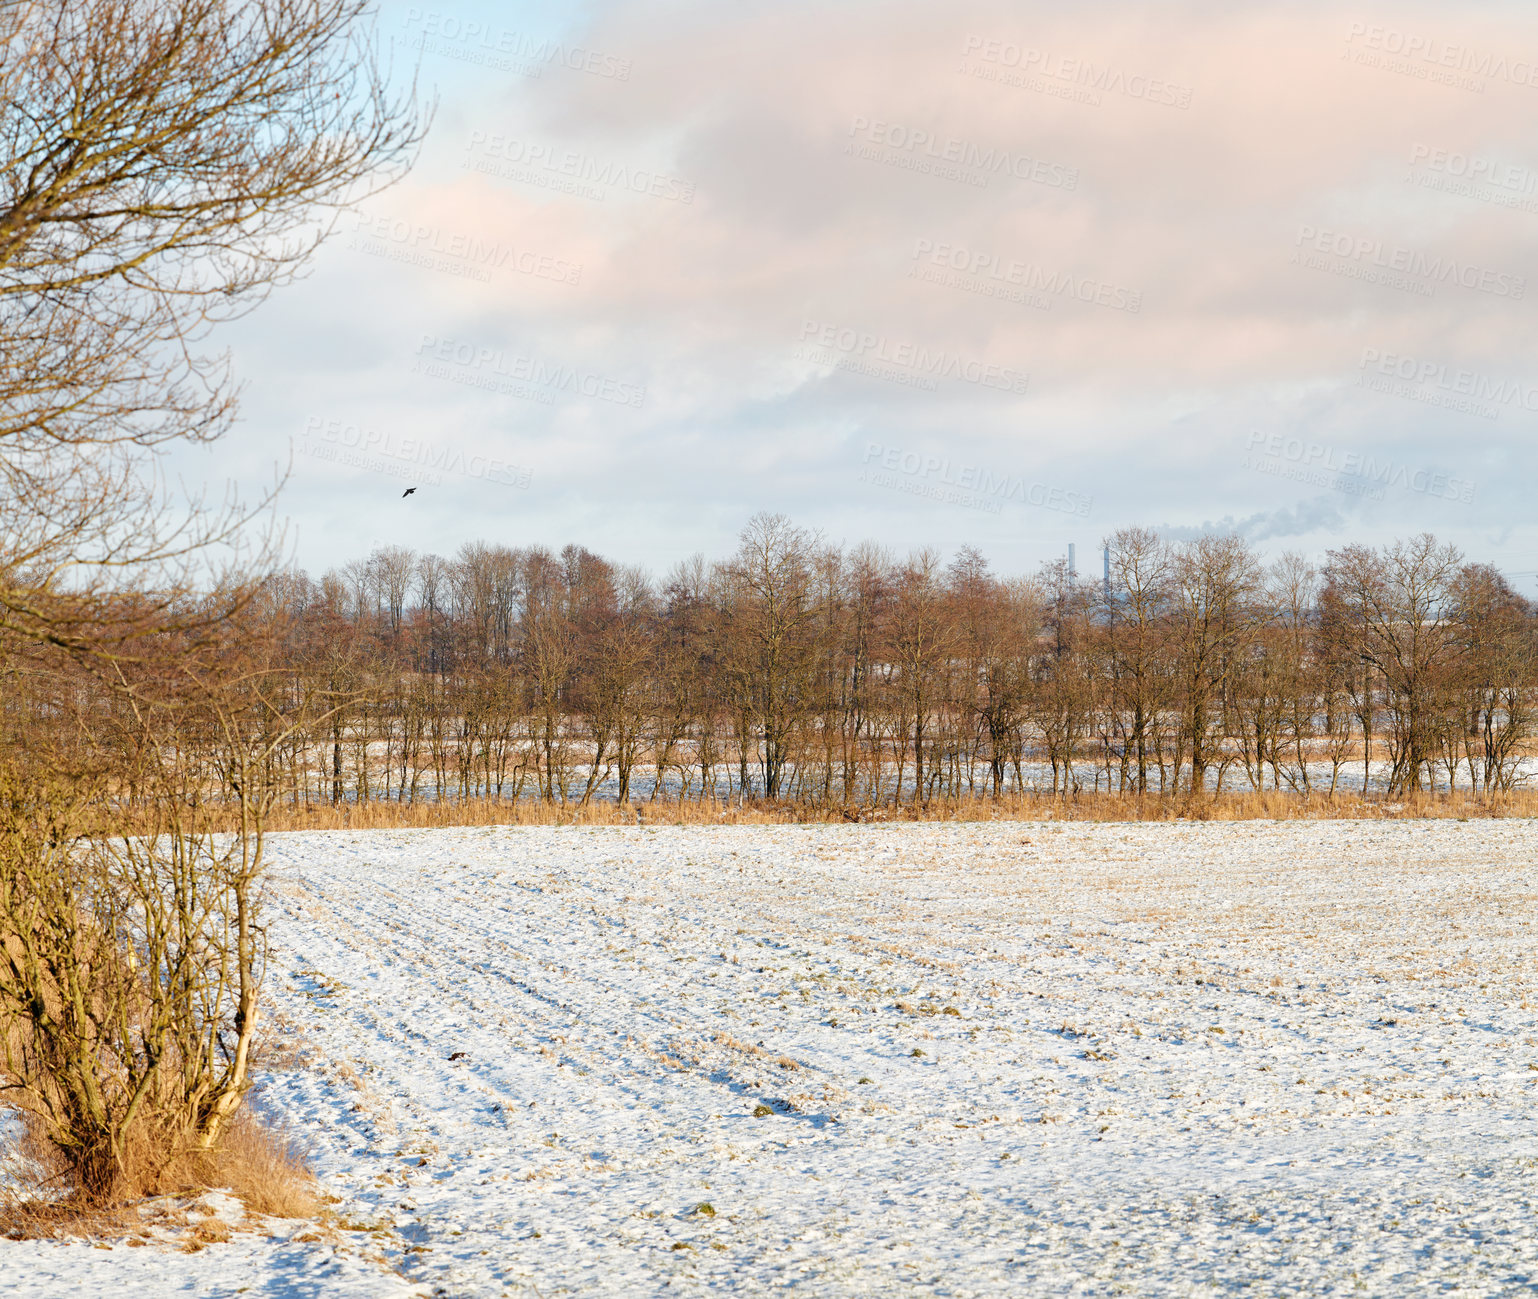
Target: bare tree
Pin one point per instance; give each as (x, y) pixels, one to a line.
(1498, 712)
(1137, 637)
(1214, 615)
(923, 638)
(1400, 601)
(1061, 694)
(165, 164)
(775, 612)
(392, 569)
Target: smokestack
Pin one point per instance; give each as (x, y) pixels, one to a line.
(1073, 563)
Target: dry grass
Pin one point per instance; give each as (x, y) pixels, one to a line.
(1269, 805)
(32, 1177)
(492, 811)
(748, 1048)
(263, 1168)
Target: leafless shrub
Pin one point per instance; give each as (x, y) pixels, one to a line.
(128, 968)
(163, 165)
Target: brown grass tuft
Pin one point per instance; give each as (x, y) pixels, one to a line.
(264, 1167)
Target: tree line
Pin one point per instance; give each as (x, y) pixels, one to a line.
(799, 671)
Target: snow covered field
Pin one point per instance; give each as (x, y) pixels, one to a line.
(1293, 1058)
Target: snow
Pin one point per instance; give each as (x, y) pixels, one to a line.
(1349, 778)
(994, 1058)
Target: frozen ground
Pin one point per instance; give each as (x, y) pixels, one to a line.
(1013, 1059)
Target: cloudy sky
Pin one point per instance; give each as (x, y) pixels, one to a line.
(1008, 274)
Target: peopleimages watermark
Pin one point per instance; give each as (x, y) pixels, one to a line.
(973, 270)
(1411, 270)
(513, 374)
(504, 49)
(568, 171)
(1469, 175)
(858, 351)
(1318, 464)
(950, 157)
(1064, 77)
(412, 459)
(974, 487)
(1429, 58)
(1436, 384)
(417, 243)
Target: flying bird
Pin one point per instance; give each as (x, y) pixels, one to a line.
(407, 492)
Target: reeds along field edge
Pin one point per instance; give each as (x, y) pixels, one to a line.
(1248, 806)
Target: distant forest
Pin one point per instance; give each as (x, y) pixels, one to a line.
(798, 671)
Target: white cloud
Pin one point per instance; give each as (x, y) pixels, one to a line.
(719, 212)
